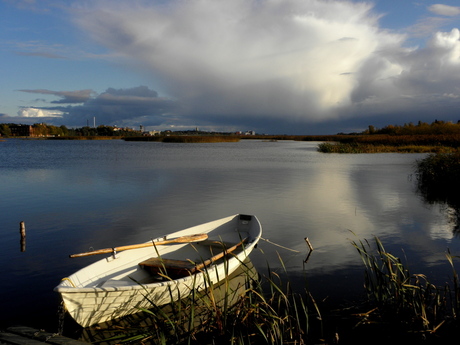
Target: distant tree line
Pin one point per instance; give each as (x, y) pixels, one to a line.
(44, 130)
(421, 128)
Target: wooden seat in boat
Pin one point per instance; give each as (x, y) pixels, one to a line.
(170, 267)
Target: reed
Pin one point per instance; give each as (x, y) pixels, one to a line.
(257, 310)
(439, 171)
(432, 143)
(404, 304)
(372, 148)
(264, 309)
(449, 140)
(438, 181)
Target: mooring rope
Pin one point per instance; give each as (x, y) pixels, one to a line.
(68, 279)
(278, 245)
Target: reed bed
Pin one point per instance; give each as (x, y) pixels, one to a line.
(372, 148)
(450, 140)
(430, 143)
(439, 171)
(258, 310)
(263, 309)
(438, 181)
(404, 305)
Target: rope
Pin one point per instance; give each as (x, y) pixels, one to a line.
(278, 245)
(71, 282)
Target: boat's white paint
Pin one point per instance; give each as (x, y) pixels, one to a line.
(114, 287)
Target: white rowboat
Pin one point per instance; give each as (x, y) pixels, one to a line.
(161, 271)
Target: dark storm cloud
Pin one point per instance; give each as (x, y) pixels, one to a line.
(294, 61)
(123, 107)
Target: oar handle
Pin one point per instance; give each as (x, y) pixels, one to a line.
(182, 239)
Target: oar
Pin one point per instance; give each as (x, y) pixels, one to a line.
(182, 239)
(217, 257)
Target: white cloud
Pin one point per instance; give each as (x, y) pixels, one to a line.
(257, 56)
(36, 112)
(445, 10)
(298, 60)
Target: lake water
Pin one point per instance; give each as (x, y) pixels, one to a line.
(79, 195)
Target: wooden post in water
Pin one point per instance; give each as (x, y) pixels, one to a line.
(22, 231)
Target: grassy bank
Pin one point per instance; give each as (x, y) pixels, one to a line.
(430, 143)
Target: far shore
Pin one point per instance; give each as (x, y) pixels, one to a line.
(338, 143)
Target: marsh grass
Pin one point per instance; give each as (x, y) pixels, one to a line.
(375, 148)
(252, 309)
(434, 143)
(439, 171)
(438, 181)
(249, 308)
(403, 304)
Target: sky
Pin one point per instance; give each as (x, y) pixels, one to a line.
(271, 66)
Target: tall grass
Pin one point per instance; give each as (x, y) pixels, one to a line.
(438, 177)
(440, 171)
(404, 303)
(263, 309)
(257, 310)
(393, 143)
(379, 148)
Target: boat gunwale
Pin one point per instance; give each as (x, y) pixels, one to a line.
(138, 286)
(248, 247)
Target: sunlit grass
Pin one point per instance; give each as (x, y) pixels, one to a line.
(404, 304)
(393, 143)
(258, 310)
(372, 148)
(264, 309)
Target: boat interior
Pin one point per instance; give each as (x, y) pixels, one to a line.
(189, 259)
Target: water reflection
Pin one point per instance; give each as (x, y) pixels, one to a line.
(186, 315)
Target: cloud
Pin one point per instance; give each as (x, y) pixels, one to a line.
(38, 113)
(445, 10)
(123, 107)
(79, 96)
(261, 58)
(298, 61)
(277, 66)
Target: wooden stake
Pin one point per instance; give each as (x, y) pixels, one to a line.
(22, 231)
(310, 247)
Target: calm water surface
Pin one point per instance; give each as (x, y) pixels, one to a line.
(77, 195)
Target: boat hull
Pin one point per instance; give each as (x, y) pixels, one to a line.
(115, 287)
